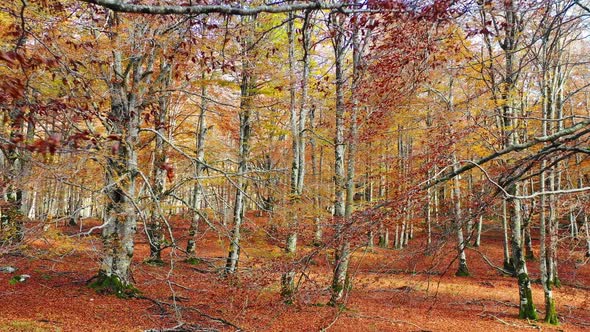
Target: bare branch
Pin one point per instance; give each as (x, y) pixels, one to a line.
(127, 7)
(560, 135)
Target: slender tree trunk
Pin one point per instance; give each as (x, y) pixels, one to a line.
(247, 92)
(298, 128)
(526, 305)
(469, 224)
(477, 242)
(198, 190)
(154, 226)
(342, 252)
(587, 235)
(428, 209)
(506, 244)
(294, 195)
(550, 312)
(462, 270)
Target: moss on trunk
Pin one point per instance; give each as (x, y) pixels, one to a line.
(112, 284)
(192, 260)
(526, 308)
(463, 271)
(288, 287)
(509, 267)
(550, 312)
(154, 261)
(11, 226)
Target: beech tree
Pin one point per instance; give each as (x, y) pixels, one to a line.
(306, 125)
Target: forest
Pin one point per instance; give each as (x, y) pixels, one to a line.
(287, 165)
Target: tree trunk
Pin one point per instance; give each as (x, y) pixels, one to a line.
(197, 190)
(506, 244)
(462, 270)
(154, 225)
(298, 128)
(526, 305)
(477, 242)
(342, 250)
(247, 87)
(550, 312)
(114, 275)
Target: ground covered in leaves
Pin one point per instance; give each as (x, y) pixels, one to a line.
(393, 290)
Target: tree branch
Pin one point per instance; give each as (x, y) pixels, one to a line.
(126, 7)
(515, 148)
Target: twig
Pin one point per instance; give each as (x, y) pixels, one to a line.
(510, 324)
(393, 321)
(217, 319)
(487, 260)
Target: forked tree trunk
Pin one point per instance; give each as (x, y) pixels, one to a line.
(17, 166)
(127, 88)
(120, 213)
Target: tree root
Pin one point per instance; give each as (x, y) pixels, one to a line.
(104, 284)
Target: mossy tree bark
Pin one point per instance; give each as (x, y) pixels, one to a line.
(526, 305)
(550, 312)
(128, 81)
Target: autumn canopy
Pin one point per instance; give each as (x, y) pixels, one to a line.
(220, 163)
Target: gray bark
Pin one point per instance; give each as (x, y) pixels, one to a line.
(154, 224)
(122, 169)
(342, 252)
(123, 6)
(247, 87)
(462, 270)
(198, 190)
(298, 127)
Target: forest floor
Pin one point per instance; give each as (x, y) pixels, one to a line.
(393, 290)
